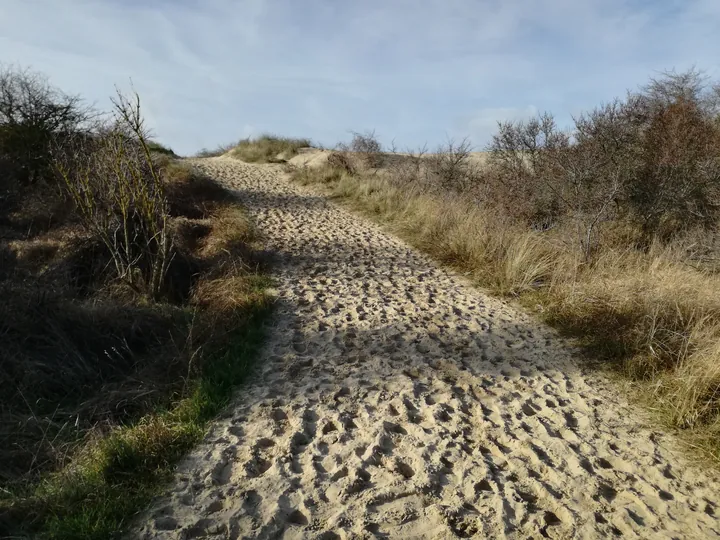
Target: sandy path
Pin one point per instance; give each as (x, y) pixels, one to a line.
(396, 401)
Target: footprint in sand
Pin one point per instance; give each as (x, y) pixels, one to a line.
(395, 400)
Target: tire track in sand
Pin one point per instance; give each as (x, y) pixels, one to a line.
(394, 400)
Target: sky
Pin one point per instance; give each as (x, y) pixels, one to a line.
(210, 72)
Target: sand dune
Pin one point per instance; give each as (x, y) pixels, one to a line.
(394, 400)
(313, 157)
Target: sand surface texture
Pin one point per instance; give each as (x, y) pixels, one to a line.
(394, 400)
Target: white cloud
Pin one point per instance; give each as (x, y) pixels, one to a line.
(415, 69)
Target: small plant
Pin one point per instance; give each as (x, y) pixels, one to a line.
(119, 194)
(451, 167)
(341, 161)
(367, 147)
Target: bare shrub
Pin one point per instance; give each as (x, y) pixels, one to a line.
(119, 194)
(526, 160)
(651, 158)
(342, 161)
(676, 183)
(367, 147)
(32, 114)
(451, 166)
(408, 169)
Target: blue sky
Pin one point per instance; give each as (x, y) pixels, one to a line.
(213, 71)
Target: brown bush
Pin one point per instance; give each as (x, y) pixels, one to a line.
(651, 159)
(341, 160)
(451, 167)
(366, 147)
(410, 170)
(677, 182)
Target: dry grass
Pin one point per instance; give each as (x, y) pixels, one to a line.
(268, 149)
(217, 151)
(449, 227)
(84, 356)
(662, 316)
(191, 194)
(132, 306)
(650, 313)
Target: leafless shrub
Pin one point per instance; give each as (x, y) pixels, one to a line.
(451, 166)
(553, 178)
(527, 182)
(650, 158)
(676, 182)
(342, 161)
(119, 194)
(409, 167)
(367, 147)
(32, 114)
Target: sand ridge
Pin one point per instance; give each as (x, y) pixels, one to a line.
(394, 400)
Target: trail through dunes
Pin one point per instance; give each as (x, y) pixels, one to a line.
(394, 400)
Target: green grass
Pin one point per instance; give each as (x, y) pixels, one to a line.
(115, 477)
(268, 149)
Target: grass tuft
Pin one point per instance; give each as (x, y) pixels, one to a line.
(268, 149)
(217, 151)
(96, 496)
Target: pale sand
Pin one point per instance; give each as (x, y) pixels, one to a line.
(313, 157)
(394, 400)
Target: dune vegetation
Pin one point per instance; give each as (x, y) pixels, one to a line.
(135, 288)
(608, 230)
(133, 300)
(268, 149)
